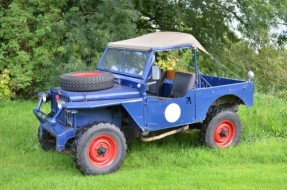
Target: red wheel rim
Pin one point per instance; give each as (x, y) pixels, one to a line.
(224, 133)
(102, 151)
(86, 74)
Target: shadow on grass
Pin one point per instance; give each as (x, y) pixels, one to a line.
(176, 141)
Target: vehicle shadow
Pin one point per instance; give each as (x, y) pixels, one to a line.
(188, 139)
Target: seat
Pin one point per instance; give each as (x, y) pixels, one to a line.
(183, 82)
(156, 88)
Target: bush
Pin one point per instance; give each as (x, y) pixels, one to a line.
(41, 40)
(5, 92)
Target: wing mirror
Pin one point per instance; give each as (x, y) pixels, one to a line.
(156, 72)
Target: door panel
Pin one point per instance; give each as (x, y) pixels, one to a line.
(165, 113)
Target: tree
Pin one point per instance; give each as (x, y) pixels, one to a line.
(214, 21)
(41, 40)
(240, 34)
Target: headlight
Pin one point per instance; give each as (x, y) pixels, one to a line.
(46, 96)
(60, 103)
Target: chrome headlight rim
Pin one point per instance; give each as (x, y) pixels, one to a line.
(46, 96)
(60, 103)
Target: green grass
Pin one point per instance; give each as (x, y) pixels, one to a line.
(176, 162)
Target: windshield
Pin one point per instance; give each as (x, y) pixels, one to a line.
(126, 61)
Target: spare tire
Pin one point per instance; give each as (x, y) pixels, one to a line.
(86, 81)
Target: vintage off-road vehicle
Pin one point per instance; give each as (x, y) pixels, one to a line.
(128, 96)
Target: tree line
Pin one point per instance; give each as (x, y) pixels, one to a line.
(42, 39)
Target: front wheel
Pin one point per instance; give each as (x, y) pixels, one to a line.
(221, 129)
(100, 149)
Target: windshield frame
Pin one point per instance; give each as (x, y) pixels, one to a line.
(144, 70)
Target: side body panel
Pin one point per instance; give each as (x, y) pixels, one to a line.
(206, 96)
(106, 111)
(137, 111)
(171, 112)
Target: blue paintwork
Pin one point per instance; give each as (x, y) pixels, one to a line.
(137, 112)
(129, 93)
(61, 132)
(156, 111)
(220, 81)
(117, 92)
(101, 103)
(206, 96)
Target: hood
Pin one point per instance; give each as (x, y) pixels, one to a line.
(117, 92)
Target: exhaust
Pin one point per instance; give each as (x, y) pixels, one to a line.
(182, 129)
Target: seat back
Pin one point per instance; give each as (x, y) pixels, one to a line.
(156, 89)
(182, 83)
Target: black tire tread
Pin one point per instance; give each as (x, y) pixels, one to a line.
(79, 140)
(209, 117)
(86, 84)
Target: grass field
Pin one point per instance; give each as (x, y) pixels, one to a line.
(176, 162)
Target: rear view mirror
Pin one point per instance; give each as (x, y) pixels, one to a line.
(156, 73)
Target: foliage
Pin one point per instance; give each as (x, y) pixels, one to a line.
(266, 118)
(214, 22)
(268, 64)
(5, 92)
(239, 34)
(41, 40)
(175, 60)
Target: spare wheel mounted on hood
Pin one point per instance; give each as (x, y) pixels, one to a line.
(86, 81)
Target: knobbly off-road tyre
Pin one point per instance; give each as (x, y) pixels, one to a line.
(222, 128)
(100, 149)
(47, 141)
(86, 81)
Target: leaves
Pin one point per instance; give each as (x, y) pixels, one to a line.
(42, 39)
(5, 92)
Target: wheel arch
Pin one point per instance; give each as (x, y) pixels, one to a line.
(115, 114)
(132, 106)
(228, 101)
(130, 127)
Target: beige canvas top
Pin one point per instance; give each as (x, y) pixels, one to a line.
(158, 40)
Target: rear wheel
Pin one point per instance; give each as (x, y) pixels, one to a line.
(100, 149)
(221, 129)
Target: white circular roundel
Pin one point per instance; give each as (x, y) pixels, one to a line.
(172, 113)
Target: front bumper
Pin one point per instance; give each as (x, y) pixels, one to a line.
(51, 124)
